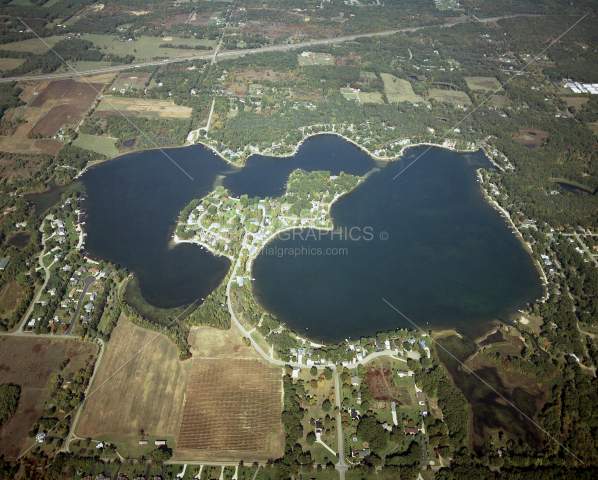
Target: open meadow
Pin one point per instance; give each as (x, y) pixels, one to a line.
(140, 385)
(398, 90)
(454, 96)
(483, 83)
(209, 342)
(232, 411)
(31, 363)
(148, 48)
(142, 107)
(104, 145)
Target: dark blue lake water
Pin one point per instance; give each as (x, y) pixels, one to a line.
(449, 259)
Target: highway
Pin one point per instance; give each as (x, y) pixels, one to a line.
(208, 56)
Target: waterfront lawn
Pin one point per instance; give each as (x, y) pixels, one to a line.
(104, 145)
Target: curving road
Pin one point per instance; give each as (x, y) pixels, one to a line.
(19, 331)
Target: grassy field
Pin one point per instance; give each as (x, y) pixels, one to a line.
(455, 96)
(316, 59)
(374, 97)
(145, 393)
(576, 102)
(31, 363)
(593, 127)
(147, 47)
(10, 296)
(103, 145)
(499, 101)
(10, 63)
(32, 45)
(145, 108)
(232, 410)
(50, 3)
(398, 90)
(483, 83)
(208, 342)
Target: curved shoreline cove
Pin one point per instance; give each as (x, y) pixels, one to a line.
(448, 261)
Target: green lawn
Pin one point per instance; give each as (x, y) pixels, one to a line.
(103, 145)
(50, 3)
(128, 447)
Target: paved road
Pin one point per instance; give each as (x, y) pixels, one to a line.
(88, 393)
(227, 54)
(87, 281)
(46, 271)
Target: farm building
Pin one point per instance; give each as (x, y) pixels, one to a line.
(160, 442)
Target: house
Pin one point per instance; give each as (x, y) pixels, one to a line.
(85, 319)
(360, 453)
(142, 442)
(358, 398)
(411, 430)
(240, 281)
(355, 415)
(355, 380)
(421, 399)
(93, 270)
(402, 373)
(89, 307)
(319, 427)
(295, 373)
(160, 442)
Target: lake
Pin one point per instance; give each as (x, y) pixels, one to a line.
(430, 243)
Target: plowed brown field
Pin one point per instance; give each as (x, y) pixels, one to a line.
(233, 406)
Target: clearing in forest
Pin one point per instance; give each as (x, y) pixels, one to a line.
(398, 90)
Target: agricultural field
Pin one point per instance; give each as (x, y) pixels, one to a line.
(483, 83)
(62, 102)
(454, 96)
(104, 145)
(26, 145)
(148, 48)
(232, 409)
(31, 363)
(373, 97)
(209, 342)
(315, 59)
(10, 63)
(33, 45)
(147, 393)
(142, 107)
(398, 90)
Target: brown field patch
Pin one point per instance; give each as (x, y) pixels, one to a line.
(531, 138)
(48, 146)
(150, 108)
(147, 393)
(232, 409)
(380, 382)
(28, 89)
(15, 168)
(18, 145)
(10, 296)
(210, 342)
(65, 102)
(136, 80)
(31, 363)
